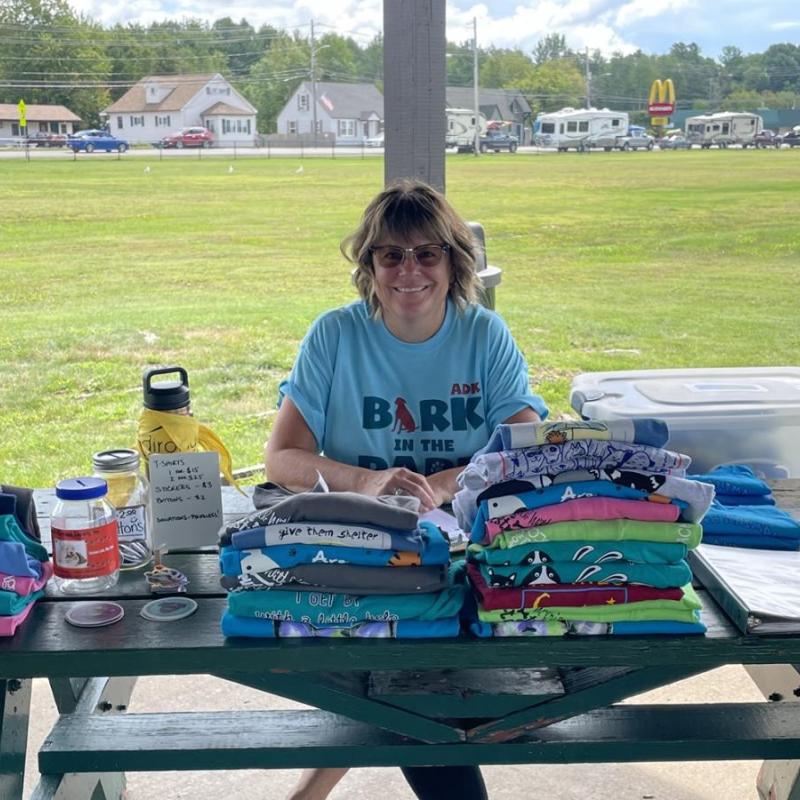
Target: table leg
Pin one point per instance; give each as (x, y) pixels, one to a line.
(345, 693)
(15, 704)
(778, 780)
(586, 690)
(100, 696)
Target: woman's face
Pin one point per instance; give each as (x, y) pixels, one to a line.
(412, 295)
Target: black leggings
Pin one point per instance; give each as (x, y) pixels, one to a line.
(443, 783)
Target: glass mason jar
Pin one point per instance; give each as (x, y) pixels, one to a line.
(83, 525)
(128, 492)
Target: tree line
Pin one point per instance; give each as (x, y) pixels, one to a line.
(49, 53)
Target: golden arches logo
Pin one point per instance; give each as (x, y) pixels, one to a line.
(662, 97)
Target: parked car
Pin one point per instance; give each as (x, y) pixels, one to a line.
(189, 137)
(675, 142)
(636, 139)
(767, 138)
(793, 137)
(375, 141)
(497, 141)
(94, 139)
(44, 139)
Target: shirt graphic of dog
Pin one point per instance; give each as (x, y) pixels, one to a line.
(403, 420)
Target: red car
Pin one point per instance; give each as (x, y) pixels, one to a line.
(189, 137)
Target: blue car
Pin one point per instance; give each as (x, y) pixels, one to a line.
(91, 140)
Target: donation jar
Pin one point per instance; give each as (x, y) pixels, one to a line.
(128, 492)
(83, 525)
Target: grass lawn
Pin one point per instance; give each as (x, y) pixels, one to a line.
(610, 262)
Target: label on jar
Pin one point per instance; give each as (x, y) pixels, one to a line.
(85, 552)
(132, 521)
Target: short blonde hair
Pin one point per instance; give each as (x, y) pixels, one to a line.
(408, 208)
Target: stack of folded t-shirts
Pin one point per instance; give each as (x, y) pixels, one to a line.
(581, 527)
(743, 513)
(336, 564)
(24, 565)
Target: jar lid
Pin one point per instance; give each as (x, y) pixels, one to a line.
(120, 459)
(81, 488)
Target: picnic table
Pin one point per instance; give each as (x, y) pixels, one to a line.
(376, 702)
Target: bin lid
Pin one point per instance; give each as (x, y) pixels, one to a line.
(687, 392)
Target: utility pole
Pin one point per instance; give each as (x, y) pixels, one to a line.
(588, 81)
(314, 82)
(475, 85)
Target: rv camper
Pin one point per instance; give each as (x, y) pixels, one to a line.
(723, 129)
(576, 127)
(461, 128)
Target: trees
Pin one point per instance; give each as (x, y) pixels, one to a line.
(51, 55)
(276, 75)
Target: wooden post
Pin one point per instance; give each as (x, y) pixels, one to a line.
(414, 89)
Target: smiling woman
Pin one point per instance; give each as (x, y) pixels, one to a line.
(399, 389)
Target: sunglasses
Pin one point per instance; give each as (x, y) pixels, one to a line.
(426, 255)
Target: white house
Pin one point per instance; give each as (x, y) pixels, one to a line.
(351, 112)
(160, 104)
(40, 118)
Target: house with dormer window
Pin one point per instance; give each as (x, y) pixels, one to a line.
(351, 112)
(160, 104)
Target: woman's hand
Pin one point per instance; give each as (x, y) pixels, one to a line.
(444, 484)
(399, 480)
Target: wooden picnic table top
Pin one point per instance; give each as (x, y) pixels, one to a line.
(374, 701)
(46, 645)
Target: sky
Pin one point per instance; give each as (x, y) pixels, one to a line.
(607, 25)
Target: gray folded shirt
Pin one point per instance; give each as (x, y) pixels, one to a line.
(275, 505)
(345, 579)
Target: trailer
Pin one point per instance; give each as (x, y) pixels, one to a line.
(723, 129)
(576, 128)
(461, 129)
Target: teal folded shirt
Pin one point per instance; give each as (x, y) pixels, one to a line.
(12, 603)
(660, 576)
(10, 531)
(324, 608)
(585, 552)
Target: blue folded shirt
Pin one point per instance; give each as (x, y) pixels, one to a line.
(734, 479)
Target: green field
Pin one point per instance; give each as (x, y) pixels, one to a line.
(610, 262)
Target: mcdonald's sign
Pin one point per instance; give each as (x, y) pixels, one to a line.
(662, 98)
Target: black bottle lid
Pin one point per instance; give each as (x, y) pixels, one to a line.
(166, 395)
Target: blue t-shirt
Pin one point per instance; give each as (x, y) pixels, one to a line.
(374, 401)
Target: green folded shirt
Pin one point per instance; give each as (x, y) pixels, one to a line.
(613, 530)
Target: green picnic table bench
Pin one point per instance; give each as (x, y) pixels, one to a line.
(377, 702)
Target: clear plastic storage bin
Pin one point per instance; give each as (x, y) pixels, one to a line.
(746, 415)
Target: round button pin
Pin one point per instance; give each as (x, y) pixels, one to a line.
(168, 609)
(94, 614)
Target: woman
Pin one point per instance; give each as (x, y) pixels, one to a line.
(399, 389)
